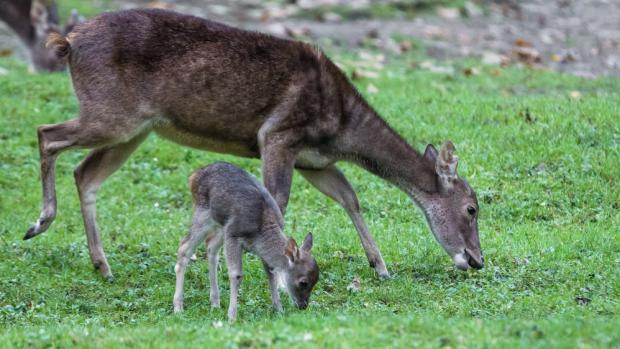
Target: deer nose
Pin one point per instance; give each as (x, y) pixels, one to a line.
(474, 262)
(302, 305)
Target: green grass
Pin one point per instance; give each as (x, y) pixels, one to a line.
(545, 167)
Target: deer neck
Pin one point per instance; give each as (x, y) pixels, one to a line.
(372, 144)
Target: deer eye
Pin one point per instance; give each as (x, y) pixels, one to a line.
(303, 284)
(471, 210)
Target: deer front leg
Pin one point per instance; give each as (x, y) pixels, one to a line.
(214, 243)
(277, 170)
(273, 288)
(202, 225)
(331, 182)
(233, 252)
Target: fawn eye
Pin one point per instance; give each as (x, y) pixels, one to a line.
(471, 210)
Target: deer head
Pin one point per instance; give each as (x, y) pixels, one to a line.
(452, 211)
(302, 272)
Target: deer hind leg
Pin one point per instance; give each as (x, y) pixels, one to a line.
(89, 175)
(331, 182)
(54, 139)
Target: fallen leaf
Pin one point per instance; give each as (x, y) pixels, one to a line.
(372, 88)
(448, 12)
(430, 66)
(471, 9)
(496, 72)
(491, 58)
(522, 43)
(4, 52)
(406, 45)
(355, 285)
(575, 94)
(471, 71)
(556, 58)
(297, 31)
(358, 74)
(332, 17)
(159, 4)
(528, 55)
(3, 72)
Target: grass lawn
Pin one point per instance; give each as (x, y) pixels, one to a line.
(545, 166)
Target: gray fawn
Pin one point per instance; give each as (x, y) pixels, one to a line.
(210, 86)
(233, 209)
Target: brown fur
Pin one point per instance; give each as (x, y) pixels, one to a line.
(33, 21)
(210, 86)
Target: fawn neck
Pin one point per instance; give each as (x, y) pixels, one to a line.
(270, 248)
(375, 146)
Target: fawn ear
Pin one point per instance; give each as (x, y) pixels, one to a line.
(446, 164)
(291, 251)
(307, 245)
(39, 17)
(431, 153)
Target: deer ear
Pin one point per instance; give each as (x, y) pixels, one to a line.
(430, 153)
(291, 251)
(307, 245)
(446, 163)
(39, 17)
(74, 19)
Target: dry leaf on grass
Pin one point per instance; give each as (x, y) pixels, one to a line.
(372, 89)
(355, 285)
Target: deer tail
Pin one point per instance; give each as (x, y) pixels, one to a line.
(59, 44)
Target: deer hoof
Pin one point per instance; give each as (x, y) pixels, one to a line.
(39, 227)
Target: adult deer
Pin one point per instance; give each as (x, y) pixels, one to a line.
(209, 86)
(33, 21)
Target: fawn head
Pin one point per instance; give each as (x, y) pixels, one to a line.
(302, 272)
(452, 211)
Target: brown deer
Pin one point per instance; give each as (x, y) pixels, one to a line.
(33, 21)
(233, 209)
(209, 86)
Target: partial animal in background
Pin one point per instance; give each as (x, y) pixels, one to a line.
(33, 21)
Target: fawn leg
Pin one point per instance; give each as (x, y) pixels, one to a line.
(214, 243)
(273, 288)
(331, 182)
(202, 225)
(233, 252)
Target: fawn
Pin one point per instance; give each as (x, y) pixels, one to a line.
(210, 86)
(233, 209)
